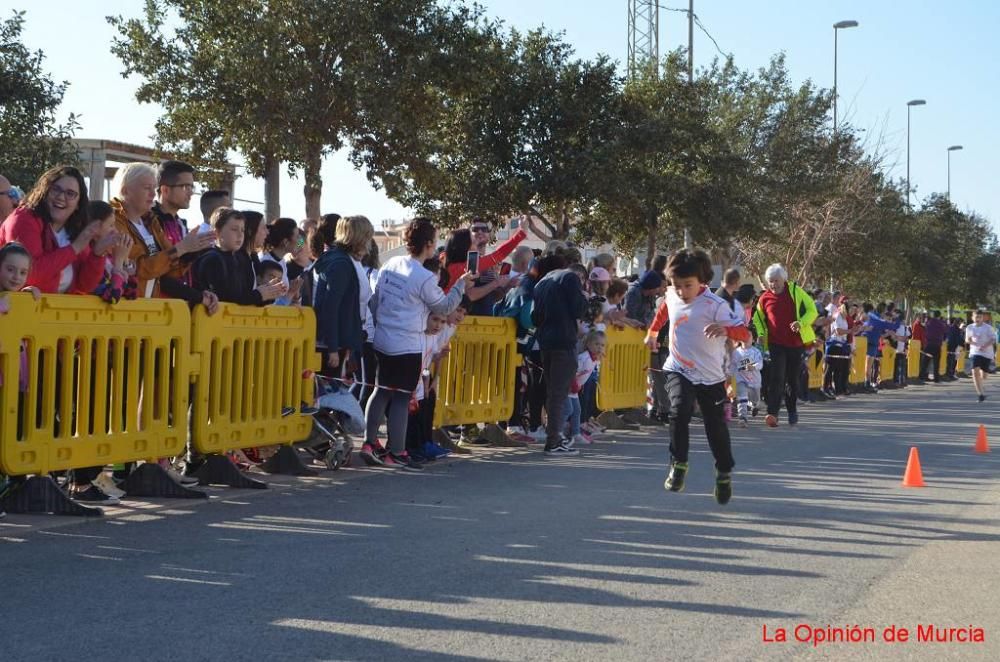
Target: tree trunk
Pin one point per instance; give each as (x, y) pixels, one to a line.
(651, 237)
(313, 188)
(272, 188)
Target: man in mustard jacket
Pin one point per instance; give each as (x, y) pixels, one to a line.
(784, 322)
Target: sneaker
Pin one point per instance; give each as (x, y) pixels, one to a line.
(561, 450)
(182, 479)
(287, 411)
(675, 479)
(743, 421)
(513, 430)
(830, 394)
(753, 411)
(308, 410)
(580, 439)
(420, 457)
(539, 434)
(793, 418)
(982, 398)
(402, 461)
(723, 488)
(106, 484)
(372, 455)
(771, 420)
(93, 495)
(433, 451)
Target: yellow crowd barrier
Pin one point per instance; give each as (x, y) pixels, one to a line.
(858, 375)
(476, 380)
(104, 384)
(913, 359)
(887, 369)
(815, 365)
(623, 378)
(252, 363)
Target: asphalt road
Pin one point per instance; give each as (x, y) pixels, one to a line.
(508, 555)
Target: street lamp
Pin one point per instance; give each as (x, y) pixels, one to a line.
(840, 25)
(909, 105)
(953, 148)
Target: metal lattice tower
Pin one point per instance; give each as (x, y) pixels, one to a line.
(643, 34)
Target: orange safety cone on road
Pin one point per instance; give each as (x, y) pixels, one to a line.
(913, 477)
(981, 445)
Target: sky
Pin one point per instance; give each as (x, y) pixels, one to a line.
(943, 52)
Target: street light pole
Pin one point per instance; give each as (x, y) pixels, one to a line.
(909, 105)
(687, 231)
(953, 148)
(840, 25)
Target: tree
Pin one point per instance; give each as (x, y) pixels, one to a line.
(521, 136)
(669, 165)
(31, 138)
(283, 81)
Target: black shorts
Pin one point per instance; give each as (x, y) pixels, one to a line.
(981, 362)
(400, 371)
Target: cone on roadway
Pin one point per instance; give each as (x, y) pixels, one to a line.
(913, 477)
(981, 444)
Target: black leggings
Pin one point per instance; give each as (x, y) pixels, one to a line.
(783, 378)
(536, 391)
(681, 395)
(400, 371)
(837, 369)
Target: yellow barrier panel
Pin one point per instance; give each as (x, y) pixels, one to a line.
(105, 383)
(253, 362)
(815, 365)
(623, 379)
(960, 361)
(942, 368)
(887, 367)
(858, 375)
(477, 377)
(913, 359)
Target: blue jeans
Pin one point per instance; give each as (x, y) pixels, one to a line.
(573, 415)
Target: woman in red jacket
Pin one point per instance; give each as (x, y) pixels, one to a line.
(52, 226)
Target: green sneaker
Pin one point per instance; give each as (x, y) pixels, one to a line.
(675, 479)
(723, 488)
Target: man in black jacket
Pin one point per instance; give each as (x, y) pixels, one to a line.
(559, 305)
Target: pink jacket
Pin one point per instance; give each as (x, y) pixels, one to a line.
(47, 259)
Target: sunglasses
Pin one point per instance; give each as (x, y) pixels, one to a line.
(480, 228)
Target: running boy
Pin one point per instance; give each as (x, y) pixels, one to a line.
(746, 364)
(981, 339)
(701, 321)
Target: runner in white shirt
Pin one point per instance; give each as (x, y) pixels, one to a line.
(982, 340)
(700, 323)
(747, 362)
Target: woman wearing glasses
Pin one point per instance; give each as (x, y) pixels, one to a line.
(52, 226)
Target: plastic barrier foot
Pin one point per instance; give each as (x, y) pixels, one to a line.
(151, 480)
(636, 417)
(613, 421)
(219, 470)
(442, 439)
(40, 494)
(497, 437)
(287, 461)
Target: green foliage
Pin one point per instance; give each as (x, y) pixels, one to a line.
(523, 135)
(31, 138)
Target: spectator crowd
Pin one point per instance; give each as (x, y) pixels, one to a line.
(383, 328)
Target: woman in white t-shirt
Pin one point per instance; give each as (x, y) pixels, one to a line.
(405, 294)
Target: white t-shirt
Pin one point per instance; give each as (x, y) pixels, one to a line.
(152, 248)
(699, 358)
(747, 364)
(585, 366)
(364, 290)
(981, 339)
(371, 275)
(66, 276)
(903, 332)
(405, 294)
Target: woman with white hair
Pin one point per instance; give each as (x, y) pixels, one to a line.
(153, 254)
(783, 319)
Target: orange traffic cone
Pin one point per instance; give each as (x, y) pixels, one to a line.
(981, 445)
(913, 477)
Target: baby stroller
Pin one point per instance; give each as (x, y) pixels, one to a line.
(338, 417)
